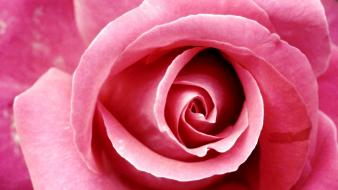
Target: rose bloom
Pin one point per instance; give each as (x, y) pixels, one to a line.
(156, 94)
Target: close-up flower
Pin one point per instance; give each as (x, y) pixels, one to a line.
(158, 94)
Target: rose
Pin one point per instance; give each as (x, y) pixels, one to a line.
(281, 144)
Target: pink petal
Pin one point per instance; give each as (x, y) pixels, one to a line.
(99, 59)
(324, 163)
(300, 29)
(285, 136)
(30, 42)
(42, 119)
(164, 87)
(331, 11)
(177, 103)
(328, 91)
(92, 16)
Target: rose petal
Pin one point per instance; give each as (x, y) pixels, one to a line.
(177, 103)
(328, 90)
(324, 163)
(331, 7)
(285, 136)
(47, 139)
(98, 60)
(92, 16)
(166, 82)
(299, 28)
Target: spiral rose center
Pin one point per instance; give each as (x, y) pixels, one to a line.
(197, 107)
(205, 98)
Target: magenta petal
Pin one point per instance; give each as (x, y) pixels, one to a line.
(92, 16)
(300, 29)
(324, 164)
(42, 119)
(331, 11)
(328, 91)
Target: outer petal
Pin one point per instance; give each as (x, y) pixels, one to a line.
(30, 42)
(331, 11)
(324, 164)
(92, 16)
(328, 90)
(300, 29)
(47, 140)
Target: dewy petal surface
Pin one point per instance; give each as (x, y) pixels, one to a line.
(47, 140)
(30, 42)
(92, 16)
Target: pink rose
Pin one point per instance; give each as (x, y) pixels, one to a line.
(170, 95)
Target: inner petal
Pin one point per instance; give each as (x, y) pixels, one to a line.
(197, 107)
(220, 92)
(184, 99)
